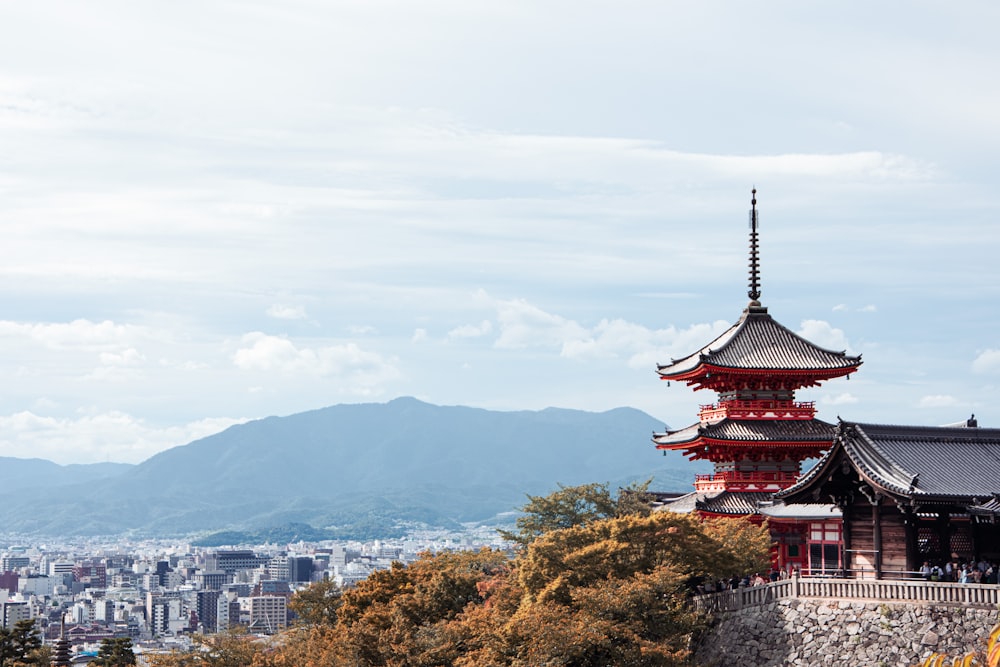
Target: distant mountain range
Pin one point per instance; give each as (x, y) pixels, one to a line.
(349, 470)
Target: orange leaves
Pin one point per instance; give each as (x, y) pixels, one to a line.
(602, 590)
(993, 647)
(969, 659)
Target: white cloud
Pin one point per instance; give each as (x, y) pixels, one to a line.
(523, 325)
(844, 398)
(870, 308)
(988, 361)
(938, 401)
(109, 436)
(118, 366)
(823, 334)
(284, 312)
(129, 357)
(261, 352)
(362, 330)
(180, 179)
(79, 334)
(471, 330)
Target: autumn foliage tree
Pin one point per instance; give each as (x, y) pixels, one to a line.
(593, 585)
(226, 649)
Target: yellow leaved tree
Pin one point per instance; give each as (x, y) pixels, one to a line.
(972, 658)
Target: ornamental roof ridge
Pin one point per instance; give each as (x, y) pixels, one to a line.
(759, 342)
(877, 464)
(751, 430)
(896, 431)
(909, 461)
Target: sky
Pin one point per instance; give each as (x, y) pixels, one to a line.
(219, 211)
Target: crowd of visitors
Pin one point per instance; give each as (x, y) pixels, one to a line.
(956, 570)
(741, 582)
(960, 571)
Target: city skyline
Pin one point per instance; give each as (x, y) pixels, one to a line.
(216, 213)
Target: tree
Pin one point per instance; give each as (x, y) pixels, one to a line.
(562, 560)
(576, 506)
(20, 645)
(610, 592)
(598, 582)
(115, 652)
(397, 616)
(748, 544)
(228, 649)
(974, 658)
(406, 615)
(318, 603)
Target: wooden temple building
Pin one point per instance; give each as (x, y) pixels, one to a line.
(908, 495)
(881, 500)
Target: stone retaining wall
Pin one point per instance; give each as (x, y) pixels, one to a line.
(832, 632)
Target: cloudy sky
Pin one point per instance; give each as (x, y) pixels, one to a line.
(217, 211)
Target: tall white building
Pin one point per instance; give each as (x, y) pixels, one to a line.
(12, 612)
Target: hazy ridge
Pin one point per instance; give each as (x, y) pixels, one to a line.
(353, 466)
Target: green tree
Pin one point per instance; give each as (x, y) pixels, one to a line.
(20, 645)
(577, 506)
(115, 652)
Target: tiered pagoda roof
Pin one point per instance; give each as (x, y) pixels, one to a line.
(731, 436)
(757, 345)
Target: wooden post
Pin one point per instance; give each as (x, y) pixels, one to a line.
(846, 565)
(911, 526)
(877, 535)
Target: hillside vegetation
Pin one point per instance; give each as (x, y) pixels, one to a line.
(608, 587)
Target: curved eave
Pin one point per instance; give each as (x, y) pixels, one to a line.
(877, 469)
(799, 492)
(694, 360)
(739, 431)
(759, 342)
(742, 444)
(704, 371)
(722, 514)
(869, 462)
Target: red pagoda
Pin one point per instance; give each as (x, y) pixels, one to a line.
(756, 434)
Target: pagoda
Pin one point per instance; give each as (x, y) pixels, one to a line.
(755, 434)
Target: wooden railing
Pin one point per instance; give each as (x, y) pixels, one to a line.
(970, 595)
(758, 409)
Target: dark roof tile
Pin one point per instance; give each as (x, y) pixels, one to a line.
(737, 503)
(751, 430)
(758, 342)
(916, 461)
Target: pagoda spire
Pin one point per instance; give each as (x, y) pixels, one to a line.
(754, 292)
(61, 650)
